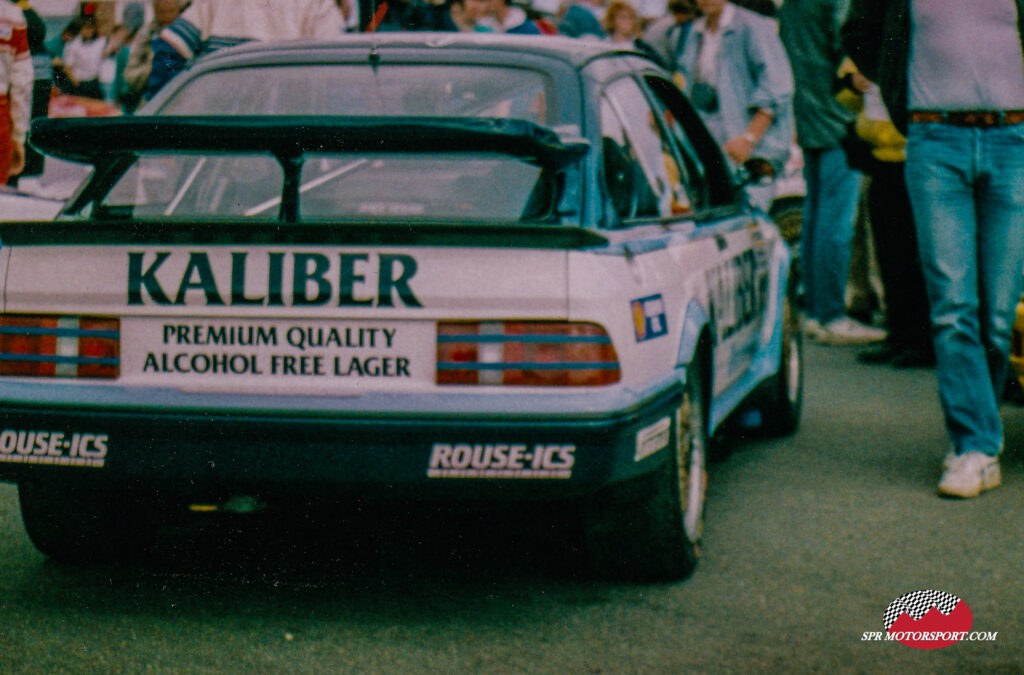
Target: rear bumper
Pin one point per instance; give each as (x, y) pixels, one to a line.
(209, 454)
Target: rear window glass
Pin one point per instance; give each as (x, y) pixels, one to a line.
(192, 185)
(423, 187)
(357, 89)
(335, 187)
(351, 186)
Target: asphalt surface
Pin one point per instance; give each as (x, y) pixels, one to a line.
(807, 541)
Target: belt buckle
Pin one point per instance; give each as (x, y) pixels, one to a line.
(986, 119)
(969, 118)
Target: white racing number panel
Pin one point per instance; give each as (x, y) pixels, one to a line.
(278, 356)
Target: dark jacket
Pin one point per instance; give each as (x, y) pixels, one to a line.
(876, 36)
(809, 30)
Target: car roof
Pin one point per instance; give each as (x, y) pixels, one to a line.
(574, 51)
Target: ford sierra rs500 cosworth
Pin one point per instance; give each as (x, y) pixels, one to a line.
(393, 266)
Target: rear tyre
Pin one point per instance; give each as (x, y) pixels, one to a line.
(650, 528)
(77, 525)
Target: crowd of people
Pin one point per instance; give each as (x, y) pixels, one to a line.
(888, 94)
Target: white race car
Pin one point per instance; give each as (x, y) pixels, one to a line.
(445, 267)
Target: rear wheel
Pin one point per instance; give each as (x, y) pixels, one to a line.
(650, 529)
(72, 524)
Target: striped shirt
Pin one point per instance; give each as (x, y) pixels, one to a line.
(211, 24)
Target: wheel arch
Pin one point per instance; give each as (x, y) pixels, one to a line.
(696, 343)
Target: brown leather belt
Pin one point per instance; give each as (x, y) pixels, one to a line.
(969, 118)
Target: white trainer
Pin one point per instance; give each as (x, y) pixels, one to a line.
(813, 329)
(847, 331)
(948, 460)
(969, 475)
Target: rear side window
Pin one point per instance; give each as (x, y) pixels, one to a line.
(642, 175)
(708, 173)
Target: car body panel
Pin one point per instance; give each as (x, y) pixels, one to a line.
(326, 333)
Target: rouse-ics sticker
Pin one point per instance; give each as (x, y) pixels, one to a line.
(25, 446)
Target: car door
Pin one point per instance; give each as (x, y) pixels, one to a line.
(737, 276)
(652, 212)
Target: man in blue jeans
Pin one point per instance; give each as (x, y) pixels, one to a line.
(810, 32)
(960, 101)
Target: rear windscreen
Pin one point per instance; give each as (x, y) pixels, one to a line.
(360, 186)
(348, 89)
(335, 187)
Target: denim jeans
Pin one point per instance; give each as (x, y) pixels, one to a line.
(833, 189)
(967, 189)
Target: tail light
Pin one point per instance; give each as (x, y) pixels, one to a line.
(59, 346)
(530, 353)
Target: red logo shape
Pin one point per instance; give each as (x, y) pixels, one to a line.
(928, 619)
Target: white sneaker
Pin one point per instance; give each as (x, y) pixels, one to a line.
(969, 475)
(948, 460)
(813, 329)
(847, 331)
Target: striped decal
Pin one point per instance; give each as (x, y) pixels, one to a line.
(565, 365)
(60, 361)
(62, 331)
(537, 353)
(59, 346)
(534, 339)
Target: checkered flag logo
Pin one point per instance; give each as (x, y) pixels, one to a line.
(918, 603)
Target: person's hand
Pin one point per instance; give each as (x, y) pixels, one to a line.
(17, 158)
(860, 83)
(739, 149)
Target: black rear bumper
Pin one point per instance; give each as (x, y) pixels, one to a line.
(209, 455)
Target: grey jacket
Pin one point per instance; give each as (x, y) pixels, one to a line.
(753, 73)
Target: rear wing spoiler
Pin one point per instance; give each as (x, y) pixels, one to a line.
(111, 144)
(97, 140)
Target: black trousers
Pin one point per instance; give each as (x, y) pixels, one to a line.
(892, 225)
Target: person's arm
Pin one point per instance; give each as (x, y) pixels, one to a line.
(167, 62)
(176, 45)
(19, 95)
(862, 36)
(140, 57)
(773, 90)
(741, 148)
(323, 19)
